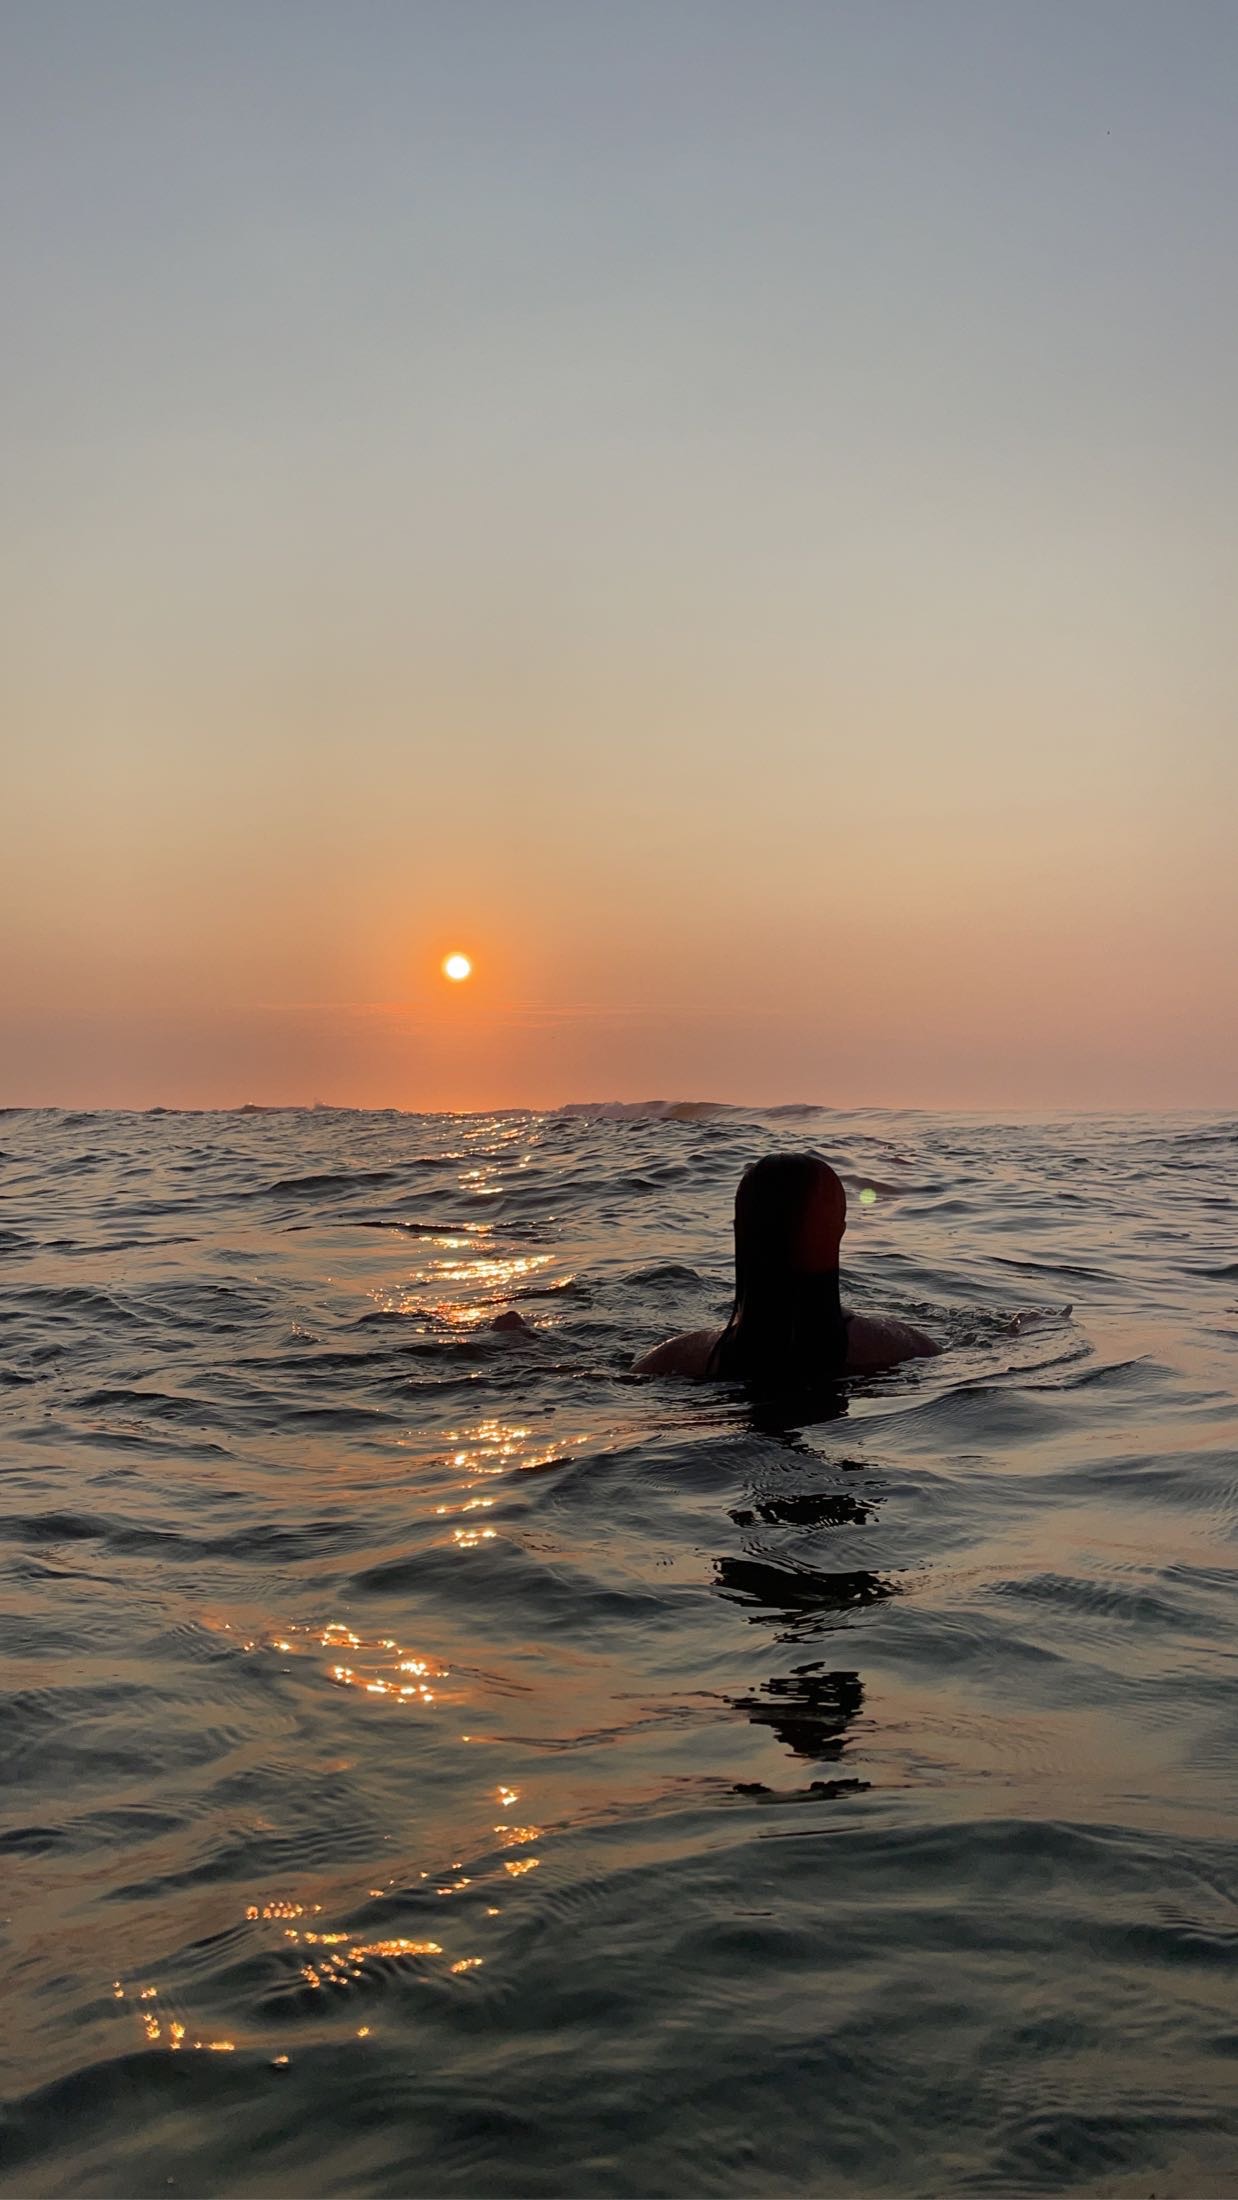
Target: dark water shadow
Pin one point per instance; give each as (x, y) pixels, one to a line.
(807, 1509)
(808, 1709)
(794, 1592)
(786, 1414)
(811, 1708)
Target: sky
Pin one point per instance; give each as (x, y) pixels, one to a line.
(725, 513)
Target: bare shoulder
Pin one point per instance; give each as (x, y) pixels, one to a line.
(687, 1355)
(877, 1341)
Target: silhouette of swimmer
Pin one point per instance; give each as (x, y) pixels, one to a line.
(788, 1330)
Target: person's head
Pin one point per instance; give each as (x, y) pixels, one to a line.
(786, 1327)
(790, 1215)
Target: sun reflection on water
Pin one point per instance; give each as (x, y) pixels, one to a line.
(340, 1956)
(467, 1539)
(327, 1958)
(386, 1667)
(476, 1284)
(170, 2033)
(283, 1909)
(493, 1446)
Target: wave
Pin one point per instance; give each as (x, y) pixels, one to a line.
(449, 1728)
(327, 1180)
(688, 1111)
(647, 1111)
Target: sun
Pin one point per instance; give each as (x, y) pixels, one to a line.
(457, 968)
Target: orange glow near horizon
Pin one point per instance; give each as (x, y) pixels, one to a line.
(794, 681)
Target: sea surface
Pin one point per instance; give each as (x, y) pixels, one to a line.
(436, 1761)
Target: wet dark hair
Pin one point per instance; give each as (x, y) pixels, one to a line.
(787, 1330)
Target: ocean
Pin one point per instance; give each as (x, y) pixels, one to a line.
(438, 1762)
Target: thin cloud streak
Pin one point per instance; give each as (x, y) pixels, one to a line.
(517, 1014)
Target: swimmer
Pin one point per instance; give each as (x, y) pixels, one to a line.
(788, 1329)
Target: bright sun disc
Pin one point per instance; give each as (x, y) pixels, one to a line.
(457, 967)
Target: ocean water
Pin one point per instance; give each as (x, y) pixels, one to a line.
(437, 1762)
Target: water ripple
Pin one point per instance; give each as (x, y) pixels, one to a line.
(438, 1760)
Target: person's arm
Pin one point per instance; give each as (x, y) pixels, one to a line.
(877, 1341)
(687, 1355)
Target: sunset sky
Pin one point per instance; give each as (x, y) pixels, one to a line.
(725, 513)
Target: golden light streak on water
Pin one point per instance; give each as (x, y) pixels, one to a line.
(152, 2025)
(282, 1909)
(463, 1293)
(494, 1447)
(396, 1947)
(379, 1651)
